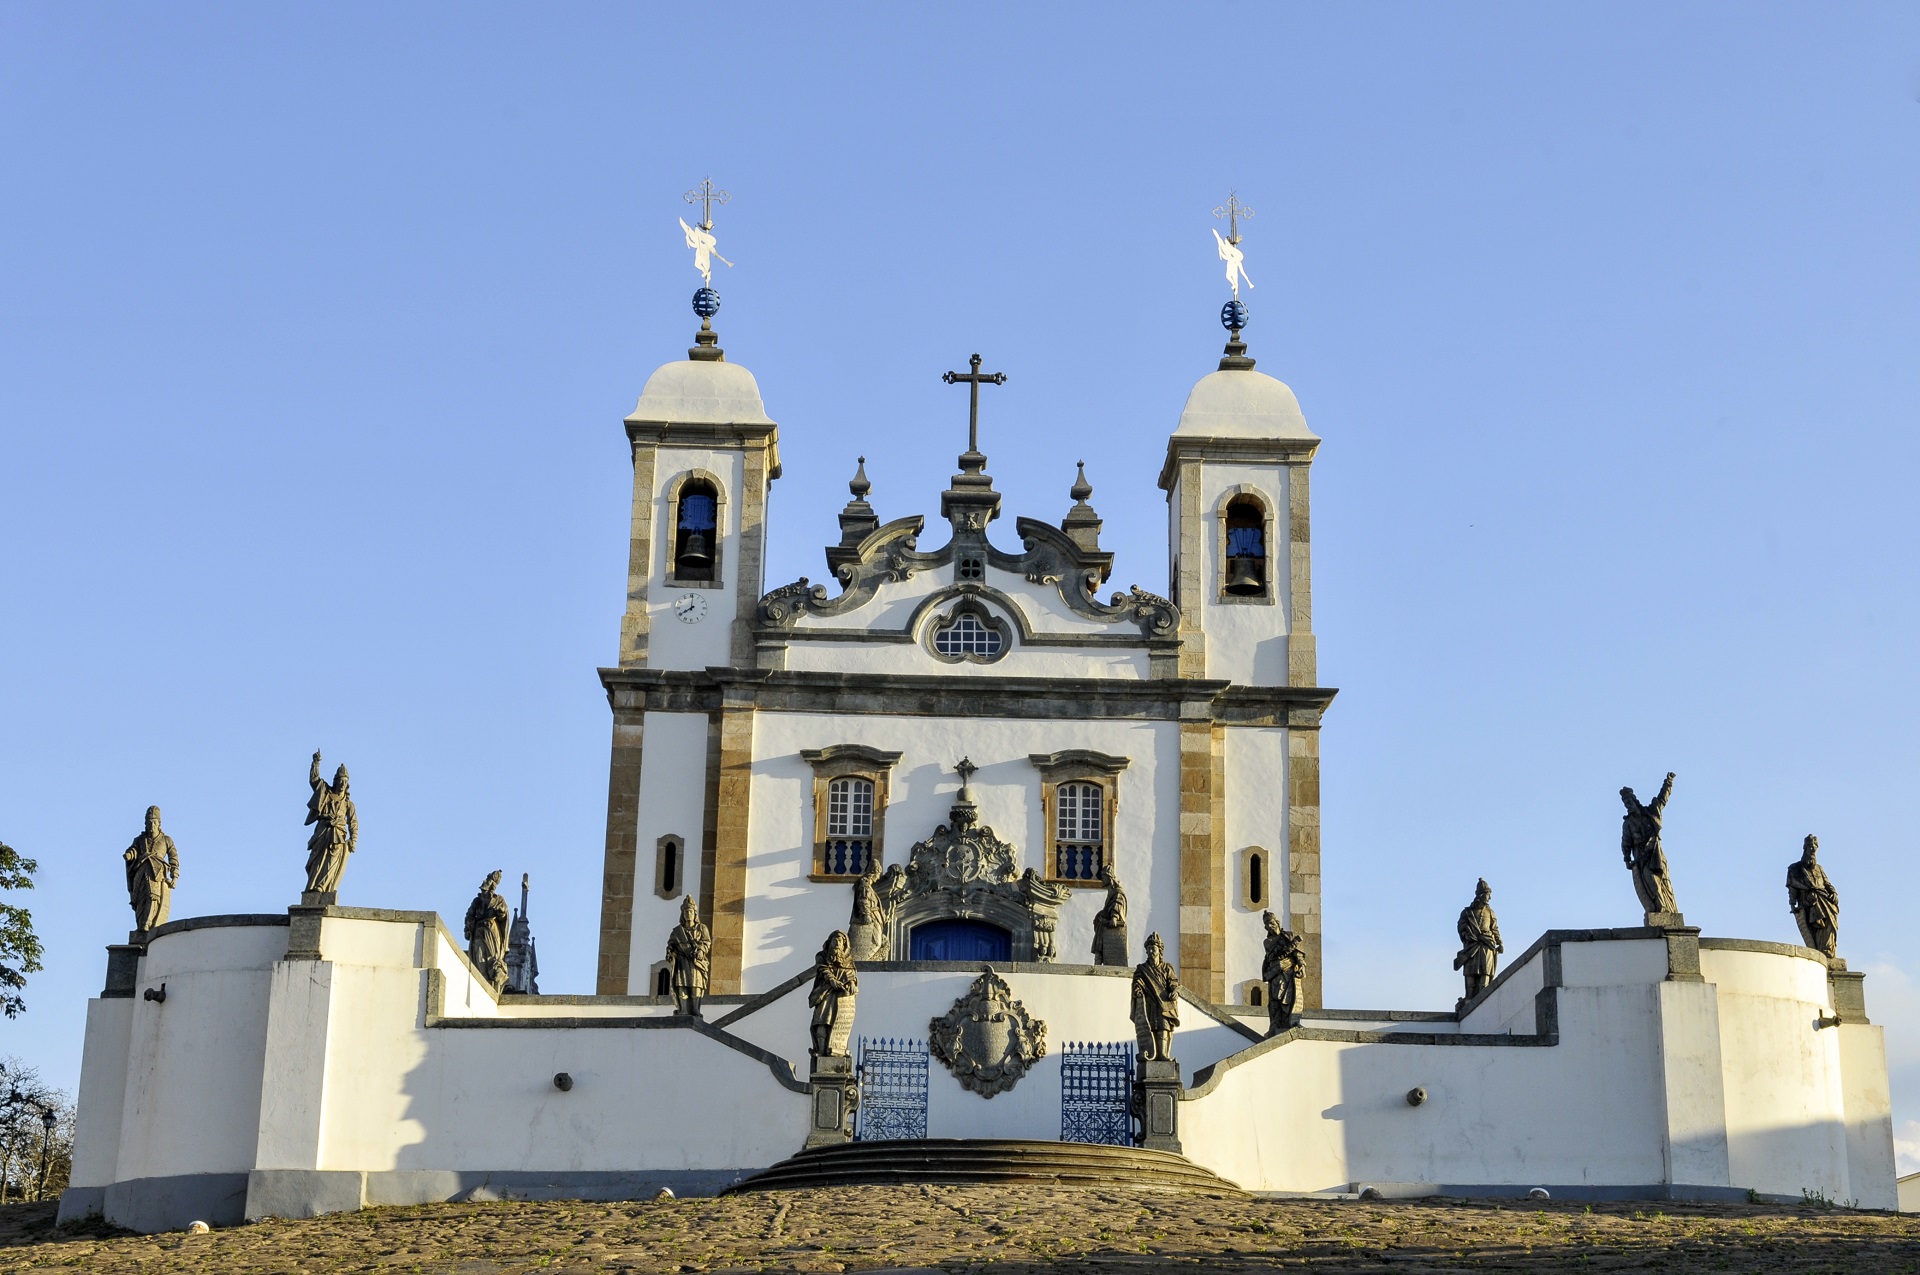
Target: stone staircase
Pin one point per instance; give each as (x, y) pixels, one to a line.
(969, 1160)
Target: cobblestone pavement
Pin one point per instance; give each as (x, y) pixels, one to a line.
(992, 1231)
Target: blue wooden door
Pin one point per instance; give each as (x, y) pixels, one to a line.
(960, 941)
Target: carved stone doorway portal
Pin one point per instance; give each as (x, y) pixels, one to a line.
(960, 940)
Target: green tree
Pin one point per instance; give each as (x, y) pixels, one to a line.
(20, 949)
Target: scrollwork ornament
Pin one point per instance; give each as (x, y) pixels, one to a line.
(987, 1040)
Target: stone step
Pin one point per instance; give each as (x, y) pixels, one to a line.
(973, 1160)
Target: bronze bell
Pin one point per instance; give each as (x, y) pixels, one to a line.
(1245, 576)
(696, 553)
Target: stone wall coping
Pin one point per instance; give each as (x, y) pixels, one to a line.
(1766, 947)
(228, 920)
(1378, 1015)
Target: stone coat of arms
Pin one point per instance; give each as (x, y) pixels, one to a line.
(987, 1040)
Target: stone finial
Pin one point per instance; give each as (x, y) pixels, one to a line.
(860, 486)
(857, 522)
(1082, 524)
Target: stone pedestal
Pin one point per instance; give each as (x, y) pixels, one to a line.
(303, 931)
(123, 969)
(319, 898)
(1157, 1096)
(1847, 990)
(1683, 949)
(1665, 920)
(836, 1093)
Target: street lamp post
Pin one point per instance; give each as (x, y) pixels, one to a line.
(47, 1121)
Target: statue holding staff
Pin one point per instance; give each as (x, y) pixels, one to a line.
(153, 868)
(1156, 1002)
(1640, 848)
(1813, 900)
(689, 959)
(1480, 942)
(336, 829)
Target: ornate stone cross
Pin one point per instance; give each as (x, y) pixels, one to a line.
(975, 379)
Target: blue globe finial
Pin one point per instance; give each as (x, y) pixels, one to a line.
(1233, 315)
(706, 303)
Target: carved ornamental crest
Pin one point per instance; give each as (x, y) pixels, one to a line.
(960, 856)
(987, 1040)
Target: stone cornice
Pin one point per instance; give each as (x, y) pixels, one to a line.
(675, 434)
(976, 695)
(1279, 451)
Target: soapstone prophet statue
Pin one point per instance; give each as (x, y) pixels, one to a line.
(1110, 922)
(1814, 901)
(1640, 847)
(689, 959)
(336, 829)
(1480, 942)
(487, 923)
(1283, 961)
(1156, 1002)
(153, 868)
(835, 985)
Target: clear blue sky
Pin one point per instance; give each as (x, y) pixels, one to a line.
(317, 326)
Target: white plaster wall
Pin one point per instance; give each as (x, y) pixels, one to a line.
(1317, 1115)
(672, 643)
(673, 794)
(788, 916)
(1510, 1009)
(1246, 642)
(194, 1064)
(103, 1090)
(1868, 1106)
(1020, 661)
(1784, 1106)
(894, 602)
(1256, 815)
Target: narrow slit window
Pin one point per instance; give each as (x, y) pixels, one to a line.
(663, 982)
(695, 531)
(1079, 835)
(668, 869)
(1246, 548)
(849, 826)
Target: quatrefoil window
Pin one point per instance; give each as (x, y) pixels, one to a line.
(969, 633)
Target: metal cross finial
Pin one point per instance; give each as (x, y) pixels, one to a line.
(1233, 210)
(706, 196)
(975, 379)
(965, 768)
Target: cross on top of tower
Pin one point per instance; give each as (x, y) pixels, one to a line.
(1232, 211)
(975, 379)
(706, 196)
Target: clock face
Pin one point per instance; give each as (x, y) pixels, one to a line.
(691, 608)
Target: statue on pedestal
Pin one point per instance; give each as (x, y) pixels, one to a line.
(689, 959)
(153, 867)
(1110, 922)
(486, 931)
(1480, 943)
(336, 832)
(835, 984)
(1282, 962)
(1640, 848)
(870, 928)
(1043, 899)
(1156, 1002)
(1813, 900)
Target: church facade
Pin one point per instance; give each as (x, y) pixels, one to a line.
(911, 837)
(769, 746)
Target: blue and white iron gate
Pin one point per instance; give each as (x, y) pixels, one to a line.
(893, 1089)
(1095, 1083)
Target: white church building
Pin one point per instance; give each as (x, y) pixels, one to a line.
(975, 710)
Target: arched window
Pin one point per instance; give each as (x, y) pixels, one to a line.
(1079, 831)
(662, 980)
(1246, 570)
(695, 531)
(1256, 994)
(849, 826)
(669, 866)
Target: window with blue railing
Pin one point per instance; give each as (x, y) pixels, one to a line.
(849, 840)
(1079, 831)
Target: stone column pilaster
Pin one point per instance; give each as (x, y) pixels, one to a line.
(1303, 855)
(634, 623)
(617, 873)
(1203, 859)
(724, 868)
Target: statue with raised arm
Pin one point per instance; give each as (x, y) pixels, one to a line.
(1156, 1002)
(487, 923)
(153, 868)
(1236, 263)
(1640, 848)
(336, 831)
(835, 984)
(689, 959)
(1283, 960)
(701, 240)
(1110, 922)
(1480, 942)
(1814, 901)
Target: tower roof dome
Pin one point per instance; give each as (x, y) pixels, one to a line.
(1242, 403)
(700, 392)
